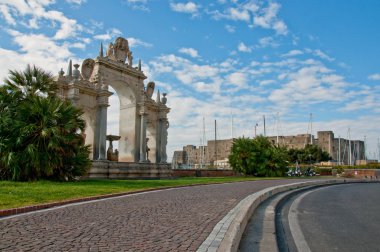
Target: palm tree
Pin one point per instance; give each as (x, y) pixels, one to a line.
(43, 138)
(32, 81)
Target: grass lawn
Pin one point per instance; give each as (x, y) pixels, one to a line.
(18, 194)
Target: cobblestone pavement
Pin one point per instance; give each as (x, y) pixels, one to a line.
(169, 220)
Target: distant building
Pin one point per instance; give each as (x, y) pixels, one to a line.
(214, 154)
(338, 148)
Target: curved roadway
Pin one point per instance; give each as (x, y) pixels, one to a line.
(336, 218)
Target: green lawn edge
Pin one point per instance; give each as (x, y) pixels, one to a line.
(21, 194)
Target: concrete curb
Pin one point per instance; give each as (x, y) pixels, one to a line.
(227, 233)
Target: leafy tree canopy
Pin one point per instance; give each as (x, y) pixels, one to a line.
(258, 157)
(309, 154)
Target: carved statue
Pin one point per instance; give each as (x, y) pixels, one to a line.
(121, 49)
(147, 150)
(112, 155)
(150, 89)
(130, 58)
(110, 50)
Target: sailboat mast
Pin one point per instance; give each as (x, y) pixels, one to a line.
(204, 141)
(232, 127)
(215, 143)
(311, 128)
(339, 152)
(265, 133)
(349, 147)
(277, 126)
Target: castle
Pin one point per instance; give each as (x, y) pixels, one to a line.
(215, 153)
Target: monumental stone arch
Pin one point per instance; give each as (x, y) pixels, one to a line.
(143, 122)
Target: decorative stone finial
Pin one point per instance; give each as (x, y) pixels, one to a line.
(101, 50)
(164, 99)
(139, 67)
(158, 99)
(70, 69)
(76, 72)
(61, 73)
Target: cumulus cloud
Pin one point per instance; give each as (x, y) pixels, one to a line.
(292, 53)
(35, 11)
(189, 51)
(230, 28)
(78, 2)
(188, 7)
(134, 42)
(110, 34)
(267, 18)
(238, 79)
(138, 4)
(243, 48)
(267, 42)
(323, 55)
(374, 76)
(310, 85)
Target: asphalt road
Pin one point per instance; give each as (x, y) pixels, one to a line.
(334, 218)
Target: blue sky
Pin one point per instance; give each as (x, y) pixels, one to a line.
(221, 59)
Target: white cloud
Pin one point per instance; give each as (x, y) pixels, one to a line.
(243, 48)
(238, 14)
(34, 11)
(188, 7)
(110, 34)
(238, 79)
(78, 2)
(7, 15)
(267, 18)
(292, 53)
(310, 85)
(134, 42)
(322, 55)
(266, 82)
(137, 1)
(266, 42)
(230, 28)
(374, 76)
(189, 51)
(138, 4)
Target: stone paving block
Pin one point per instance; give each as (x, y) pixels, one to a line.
(172, 220)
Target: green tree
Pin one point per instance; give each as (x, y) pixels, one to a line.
(258, 157)
(40, 135)
(240, 158)
(309, 154)
(31, 82)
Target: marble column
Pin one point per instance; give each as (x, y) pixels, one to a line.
(164, 140)
(158, 141)
(143, 138)
(102, 125)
